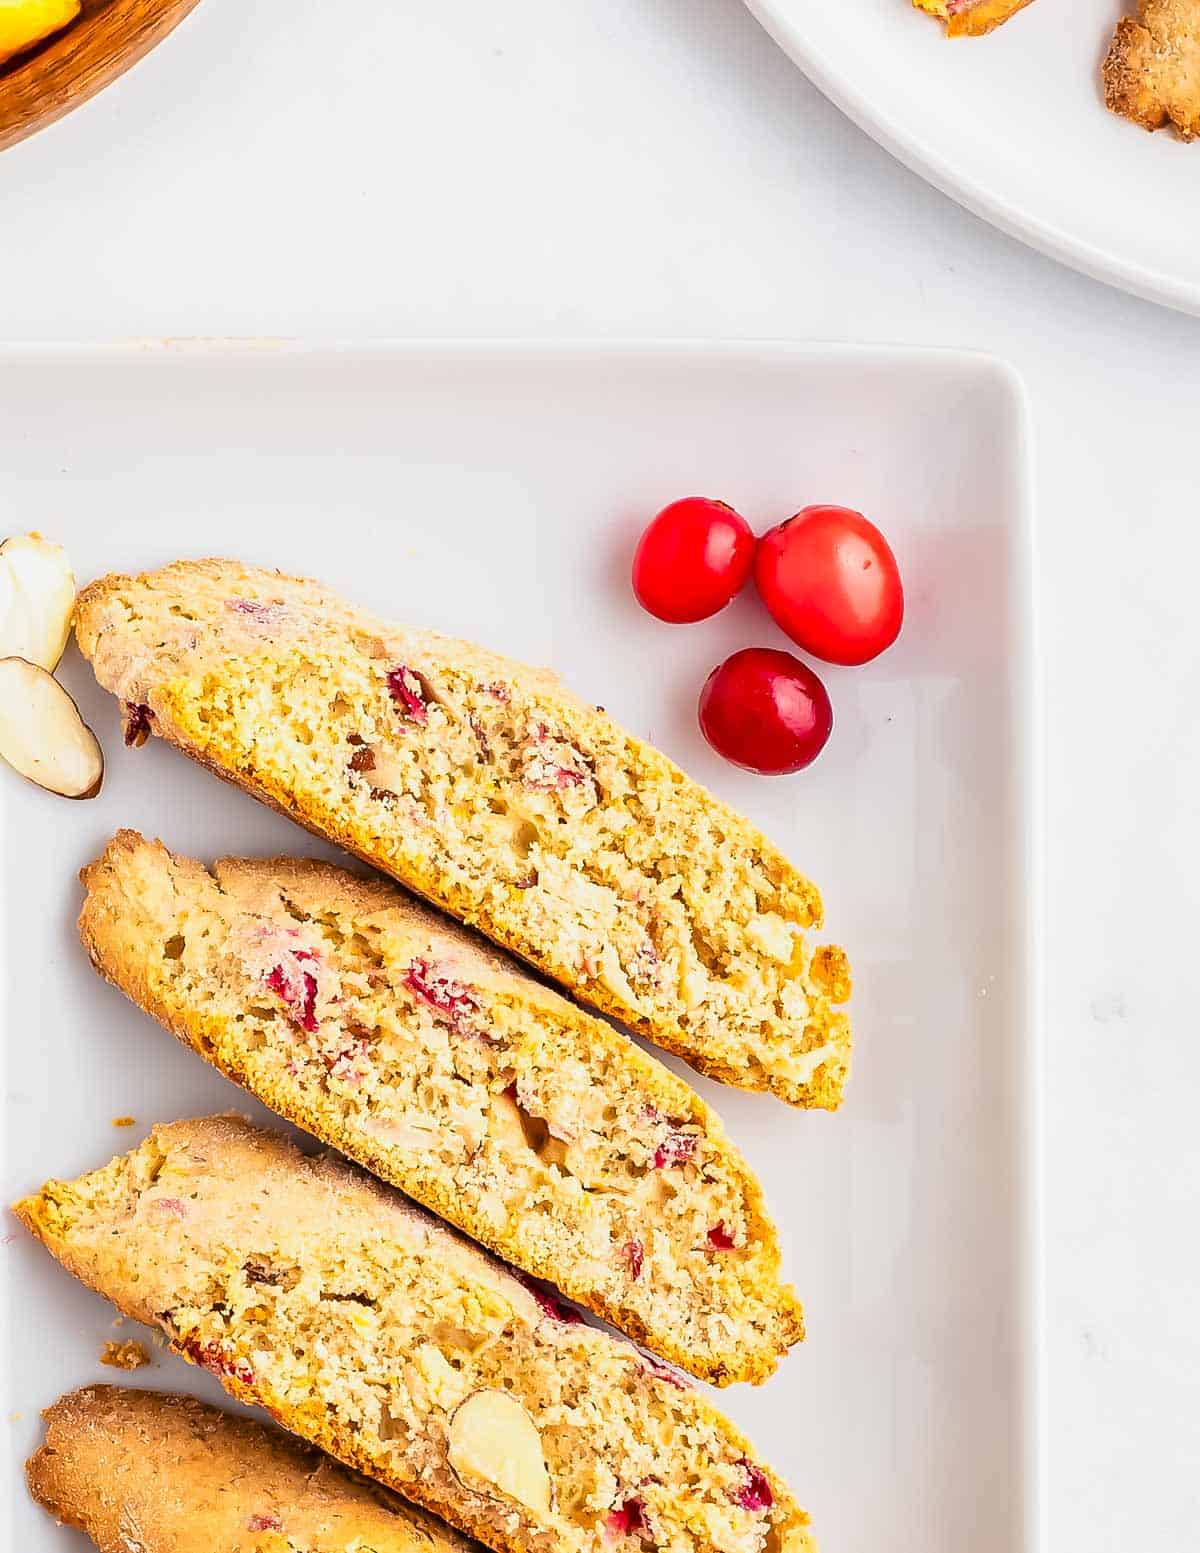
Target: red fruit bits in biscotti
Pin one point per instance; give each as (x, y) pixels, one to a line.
(754, 1492)
(628, 1519)
(461, 1080)
(296, 987)
(137, 725)
(408, 692)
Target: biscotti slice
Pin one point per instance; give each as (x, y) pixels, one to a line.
(400, 1039)
(486, 787)
(141, 1472)
(374, 1332)
(1152, 69)
(971, 18)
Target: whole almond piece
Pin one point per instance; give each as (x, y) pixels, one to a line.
(37, 595)
(494, 1444)
(42, 735)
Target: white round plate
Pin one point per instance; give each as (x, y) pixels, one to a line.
(1013, 126)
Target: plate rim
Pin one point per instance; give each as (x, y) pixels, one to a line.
(937, 170)
(1025, 689)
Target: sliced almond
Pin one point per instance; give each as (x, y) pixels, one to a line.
(42, 734)
(446, 1384)
(37, 595)
(505, 1123)
(387, 770)
(494, 1445)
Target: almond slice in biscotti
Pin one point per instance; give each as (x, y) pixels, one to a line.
(367, 1328)
(395, 1036)
(494, 1446)
(155, 1473)
(489, 789)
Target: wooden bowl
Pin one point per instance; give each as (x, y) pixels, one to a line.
(57, 75)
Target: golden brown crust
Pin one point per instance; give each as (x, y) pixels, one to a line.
(759, 1018)
(723, 1318)
(971, 18)
(168, 1474)
(313, 1291)
(1152, 70)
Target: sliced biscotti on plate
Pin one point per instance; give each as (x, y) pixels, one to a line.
(144, 1472)
(1152, 69)
(971, 18)
(397, 1037)
(376, 1333)
(487, 787)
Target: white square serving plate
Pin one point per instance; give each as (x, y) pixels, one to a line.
(496, 492)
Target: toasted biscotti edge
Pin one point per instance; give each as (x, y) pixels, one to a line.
(110, 916)
(47, 1214)
(42, 1213)
(110, 1453)
(137, 679)
(1151, 73)
(972, 20)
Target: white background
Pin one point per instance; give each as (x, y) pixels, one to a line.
(560, 168)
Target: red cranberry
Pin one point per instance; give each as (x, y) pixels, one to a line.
(675, 1149)
(408, 692)
(449, 997)
(691, 560)
(634, 1252)
(829, 578)
(138, 719)
(552, 1306)
(765, 711)
(664, 1372)
(212, 1357)
(755, 1492)
(719, 1237)
(255, 609)
(628, 1520)
(297, 989)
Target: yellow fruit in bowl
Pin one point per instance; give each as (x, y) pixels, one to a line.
(26, 22)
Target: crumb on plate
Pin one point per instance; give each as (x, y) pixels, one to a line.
(124, 1356)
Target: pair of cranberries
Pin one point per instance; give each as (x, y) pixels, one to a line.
(831, 583)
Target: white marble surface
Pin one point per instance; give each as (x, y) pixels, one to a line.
(656, 167)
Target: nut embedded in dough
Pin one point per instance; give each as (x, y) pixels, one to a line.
(494, 1442)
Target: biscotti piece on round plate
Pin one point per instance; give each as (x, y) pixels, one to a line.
(402, 1040)
(377, 1334)
(487, 787)
(971, 18)
(142, 1472)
